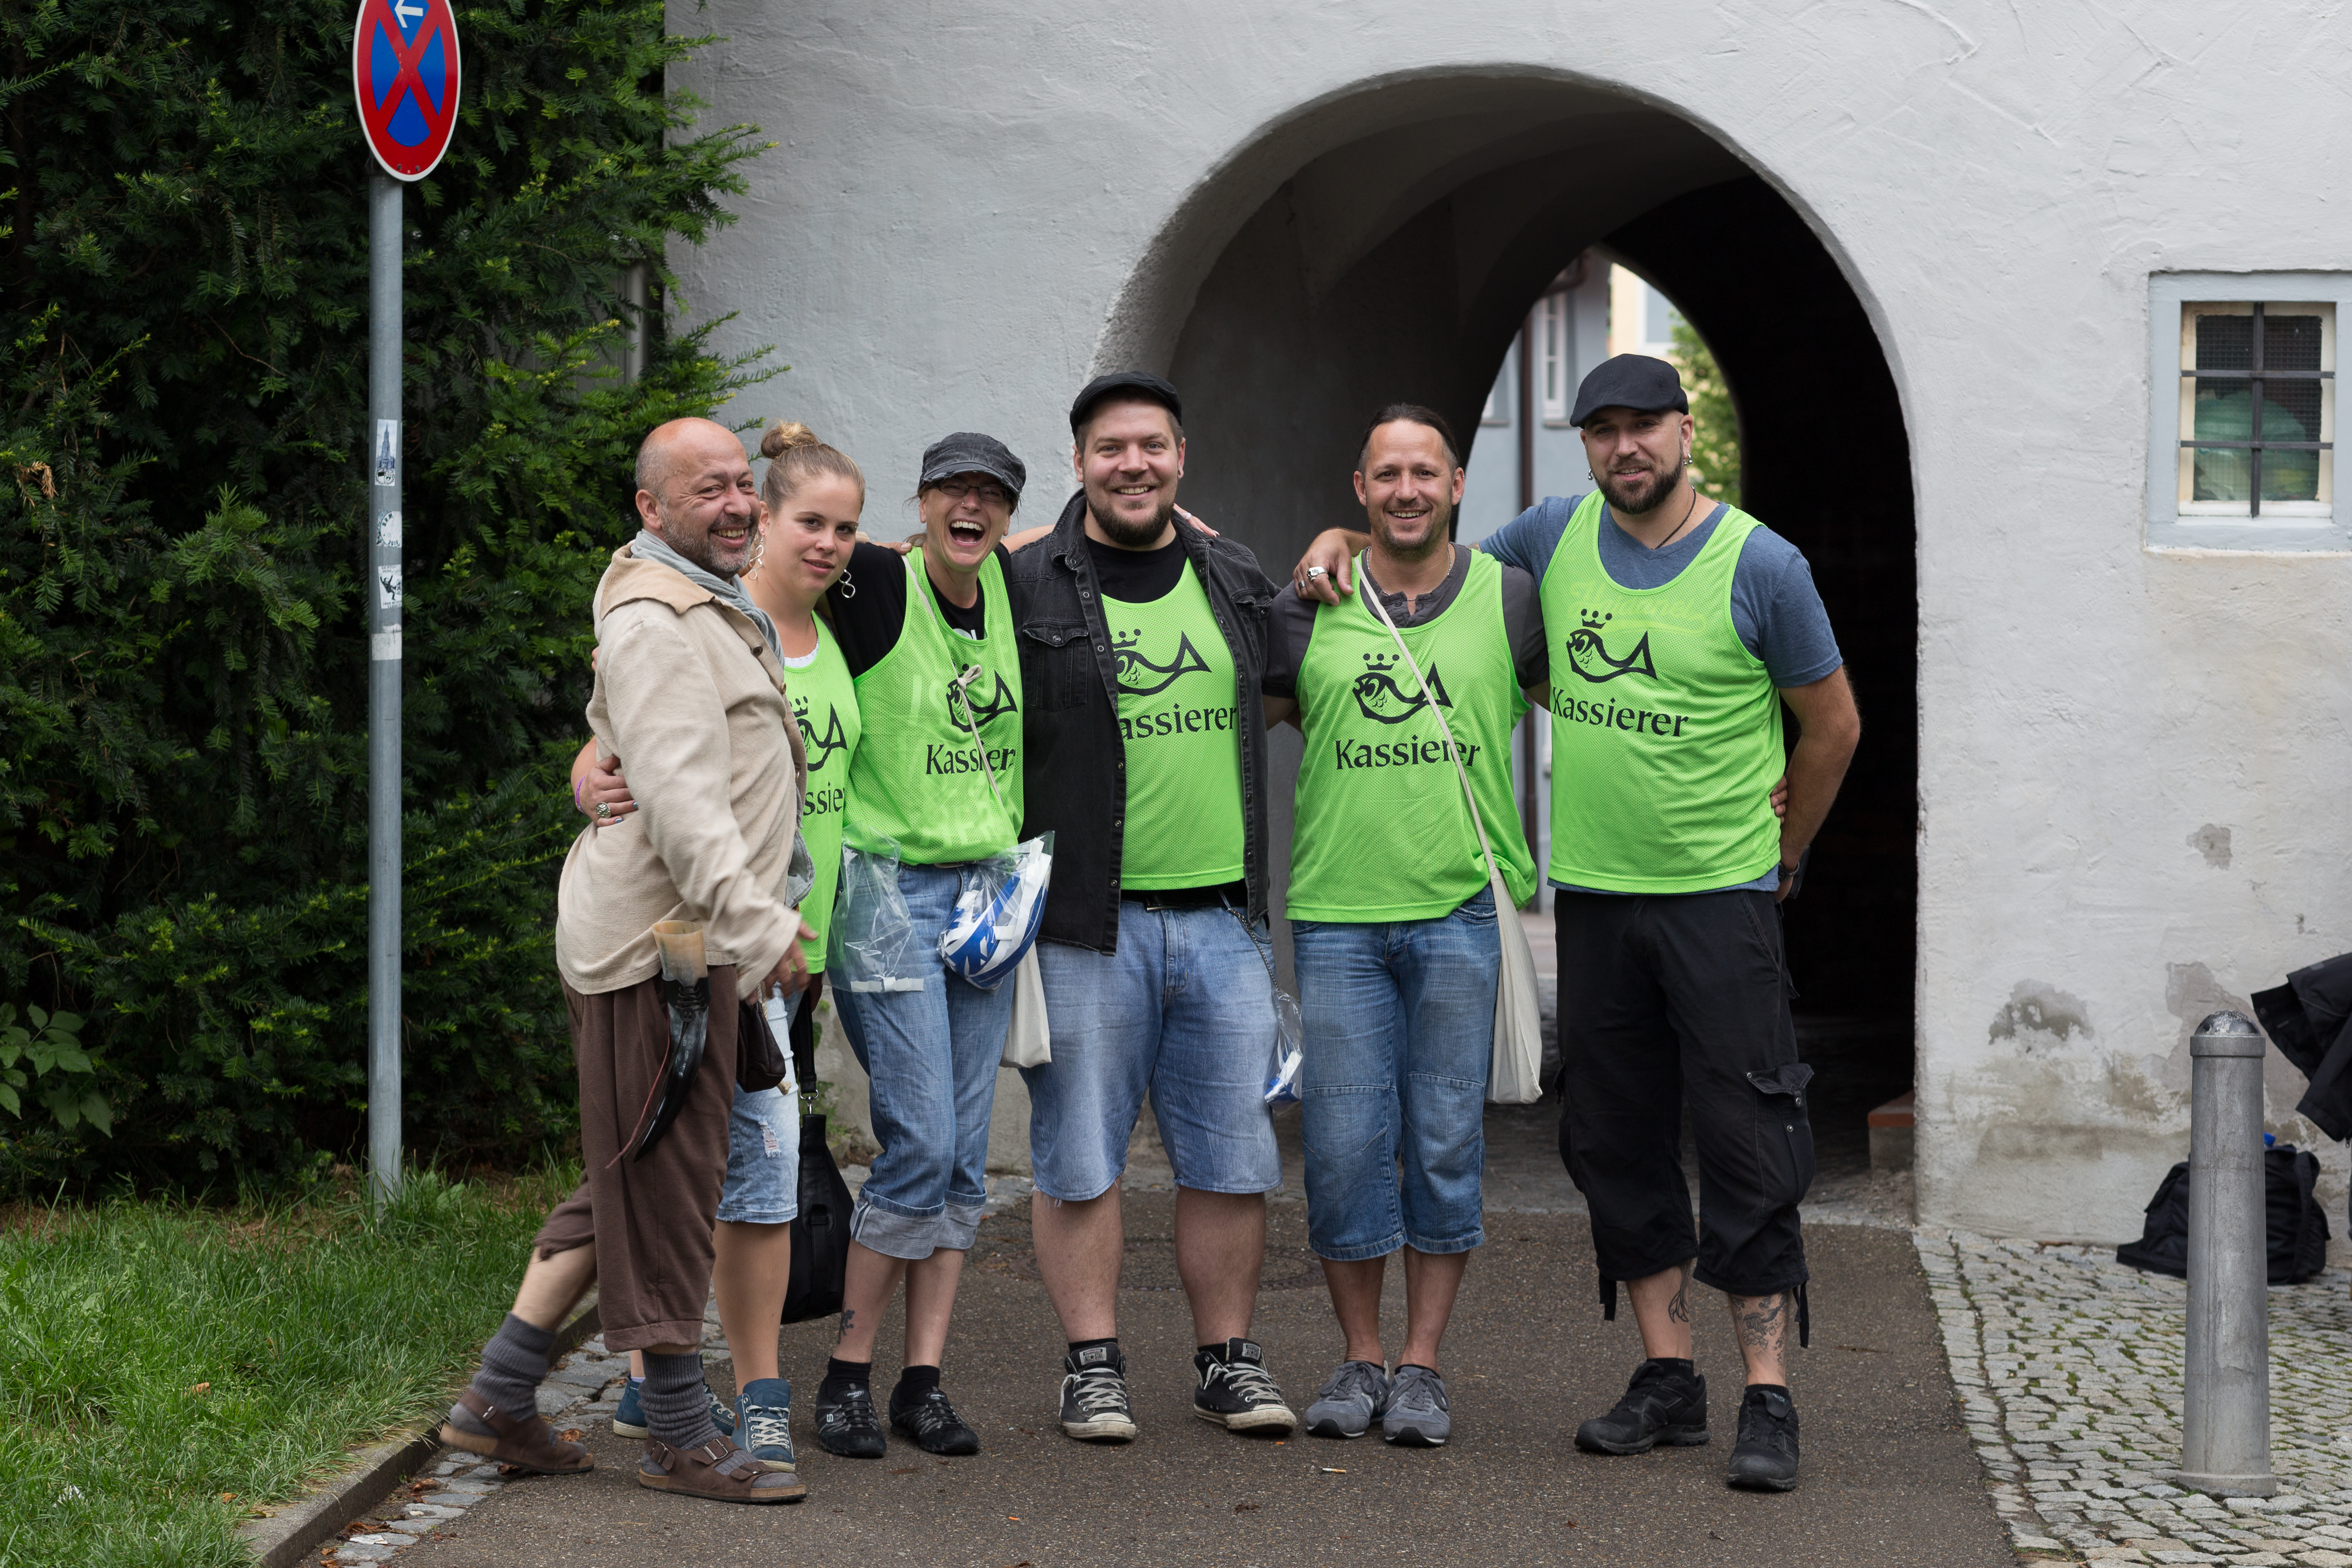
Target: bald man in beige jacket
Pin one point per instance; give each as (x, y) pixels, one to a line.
(688, 688)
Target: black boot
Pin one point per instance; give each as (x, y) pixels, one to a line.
(1765, 1457)
(1666, 1403)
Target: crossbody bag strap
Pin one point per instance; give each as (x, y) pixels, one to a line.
(1371, 595)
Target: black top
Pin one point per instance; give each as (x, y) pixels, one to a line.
(869, 606)
(1137, 576)
(1292, 623)
(1074, 769)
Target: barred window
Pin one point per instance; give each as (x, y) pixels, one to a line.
(2257, 409)
(1555, 342)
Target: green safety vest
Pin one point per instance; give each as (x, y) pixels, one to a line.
(1382, 831)
(1181, 729)
(1666, 731)
(824, 701)
(918, 780)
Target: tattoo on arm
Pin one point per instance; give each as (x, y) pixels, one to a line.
(1763, 1321)
(1678, 1309)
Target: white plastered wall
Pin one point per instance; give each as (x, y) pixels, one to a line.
(961, 198)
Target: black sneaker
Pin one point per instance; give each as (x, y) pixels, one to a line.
(1094, 1397)
(934, 1423)
(1660, 1405)
(1765, 1457)
(848, 1426)
(1236, 1393)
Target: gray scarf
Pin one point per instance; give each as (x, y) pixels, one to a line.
(651, 546)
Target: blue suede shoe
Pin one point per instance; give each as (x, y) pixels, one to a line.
(629, 1420)
(763, 1414)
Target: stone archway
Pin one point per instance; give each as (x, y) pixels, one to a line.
(1385, 244)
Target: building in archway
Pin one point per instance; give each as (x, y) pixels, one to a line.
(1956, 260)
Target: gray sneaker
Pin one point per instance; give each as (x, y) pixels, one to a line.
(1416, 1414)
(1345, 1406)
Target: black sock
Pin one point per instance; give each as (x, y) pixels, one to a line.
(1110, 1344)
(841, 1376)
(678, 1409)
(1680, 1366)
(1423, 1366)
(915, 1382)
(513, 1365)
(1780, 1388)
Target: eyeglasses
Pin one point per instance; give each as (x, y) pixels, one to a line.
(989, 494)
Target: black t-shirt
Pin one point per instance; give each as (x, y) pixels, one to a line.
(869, 606)
(1137, 576)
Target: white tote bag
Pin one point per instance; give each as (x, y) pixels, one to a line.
(1514, 1070)
(1028, 1042)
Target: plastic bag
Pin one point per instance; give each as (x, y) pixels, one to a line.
(778, 1012)
(1282, 1084)
(872, 945)
(1289, 1033)
(997, 916)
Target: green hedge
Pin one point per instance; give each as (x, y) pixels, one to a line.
(183, 703)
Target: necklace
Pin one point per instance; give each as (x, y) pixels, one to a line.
(1678, 533)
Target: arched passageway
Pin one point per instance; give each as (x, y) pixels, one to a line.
(1388, 244)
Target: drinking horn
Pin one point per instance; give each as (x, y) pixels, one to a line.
(686, 987)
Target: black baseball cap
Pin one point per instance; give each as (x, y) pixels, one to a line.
(1131, 383)
(968, 452)
(1630, 381)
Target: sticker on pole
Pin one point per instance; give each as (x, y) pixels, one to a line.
(404, 73)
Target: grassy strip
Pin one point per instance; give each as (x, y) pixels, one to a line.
(164, 1369)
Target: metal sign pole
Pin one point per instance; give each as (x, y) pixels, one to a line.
(384, 207)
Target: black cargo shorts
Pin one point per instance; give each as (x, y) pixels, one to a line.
(1668, 999)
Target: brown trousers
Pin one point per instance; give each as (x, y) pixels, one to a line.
(650, 1219)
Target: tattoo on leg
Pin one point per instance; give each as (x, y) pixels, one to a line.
(848, 1322)
(1763, 1321)
(1678, 1309)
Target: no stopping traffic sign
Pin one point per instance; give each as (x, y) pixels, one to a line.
(405, 74)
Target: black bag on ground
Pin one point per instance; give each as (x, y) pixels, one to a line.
(2296, 1238)
(821, 1230)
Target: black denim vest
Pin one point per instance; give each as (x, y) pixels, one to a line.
(1075, 764)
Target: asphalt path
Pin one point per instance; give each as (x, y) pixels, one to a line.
(1889, 1476)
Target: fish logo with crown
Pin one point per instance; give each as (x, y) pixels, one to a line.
(1380, 699)
(1589, 655)
(1139, 676)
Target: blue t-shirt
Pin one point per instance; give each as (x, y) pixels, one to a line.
(1775, 608)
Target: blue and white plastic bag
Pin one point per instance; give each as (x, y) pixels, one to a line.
(996, 917)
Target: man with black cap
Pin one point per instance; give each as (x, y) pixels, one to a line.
(1678, 627)
(1141, 647)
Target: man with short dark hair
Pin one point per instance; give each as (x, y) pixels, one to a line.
(1392, 914)
(1678, 628)
(1141, 644)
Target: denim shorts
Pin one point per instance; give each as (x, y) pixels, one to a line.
(763, 1160)
(932, 1055)
(1185, 1009)
(1400, 1020)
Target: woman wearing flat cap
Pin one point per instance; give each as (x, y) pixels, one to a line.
(939, 775)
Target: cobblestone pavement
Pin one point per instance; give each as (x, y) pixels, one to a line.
(2067, 1365)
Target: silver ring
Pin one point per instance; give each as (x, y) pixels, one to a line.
(604, 811)
(1315, 572)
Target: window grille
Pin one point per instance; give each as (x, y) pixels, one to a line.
(2257, 409)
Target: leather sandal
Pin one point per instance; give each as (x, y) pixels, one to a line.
(480, 1428)
(717, 1470)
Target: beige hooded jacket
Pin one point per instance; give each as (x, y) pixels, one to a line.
(690, 699)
